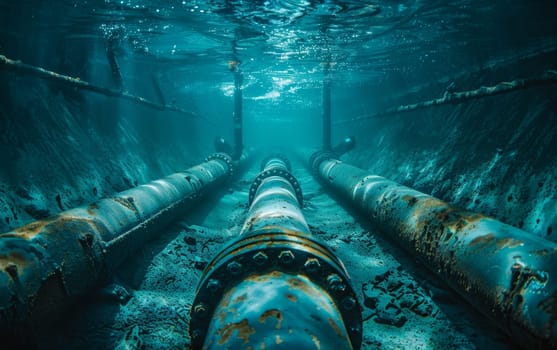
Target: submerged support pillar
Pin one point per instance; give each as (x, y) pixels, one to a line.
(508, 274)
(46, 265)
(276, 284)
(326, 114)
(237, 117)
(114, 39)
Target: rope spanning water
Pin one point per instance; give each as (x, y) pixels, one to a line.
(18, 66)
(547, 78)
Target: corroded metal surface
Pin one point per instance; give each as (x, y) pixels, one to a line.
(264, 311)
(508, 274)
(46, 264)
(275, 246)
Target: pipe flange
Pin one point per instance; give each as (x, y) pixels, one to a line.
(318, 157)
(254, 255)
(225, 158)
(279, 156)
(285, 174)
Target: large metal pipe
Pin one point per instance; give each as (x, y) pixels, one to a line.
(276, 284)
(508, 274)
(45, 265)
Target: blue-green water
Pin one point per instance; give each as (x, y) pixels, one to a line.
(376, 48)
(62, 147)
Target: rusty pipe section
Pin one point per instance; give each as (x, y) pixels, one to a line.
(508, 274)
(46, 264)
(276, 284)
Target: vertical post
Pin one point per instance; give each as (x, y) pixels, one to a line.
(238, 127)
(112, 46)
(326, 107)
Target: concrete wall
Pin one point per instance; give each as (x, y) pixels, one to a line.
(495, 155)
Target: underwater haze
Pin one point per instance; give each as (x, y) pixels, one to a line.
(456, 99)
(377, 50)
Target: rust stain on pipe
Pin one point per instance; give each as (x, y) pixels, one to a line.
(31, 230)
(292, 298)
(13, 257)
(242, 328)
(240, 298)
(276, 313)
(315, 341)
(508, 274)
(47, 264)
(335, 327)
(128, 204)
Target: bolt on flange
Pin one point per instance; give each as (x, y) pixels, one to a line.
(286, 257)
(200, 310)
(348, 303)
(260, 258)
(234, 267)
(335, 283)
(312, 265)
(213, 285)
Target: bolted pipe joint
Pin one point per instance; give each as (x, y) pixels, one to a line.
(223, 157)
(318, 157)
(273, 168)
(278, 160)
(271, 276)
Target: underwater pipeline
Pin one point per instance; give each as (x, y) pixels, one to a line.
(45, 265)
(276, 283)
(506, 273)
